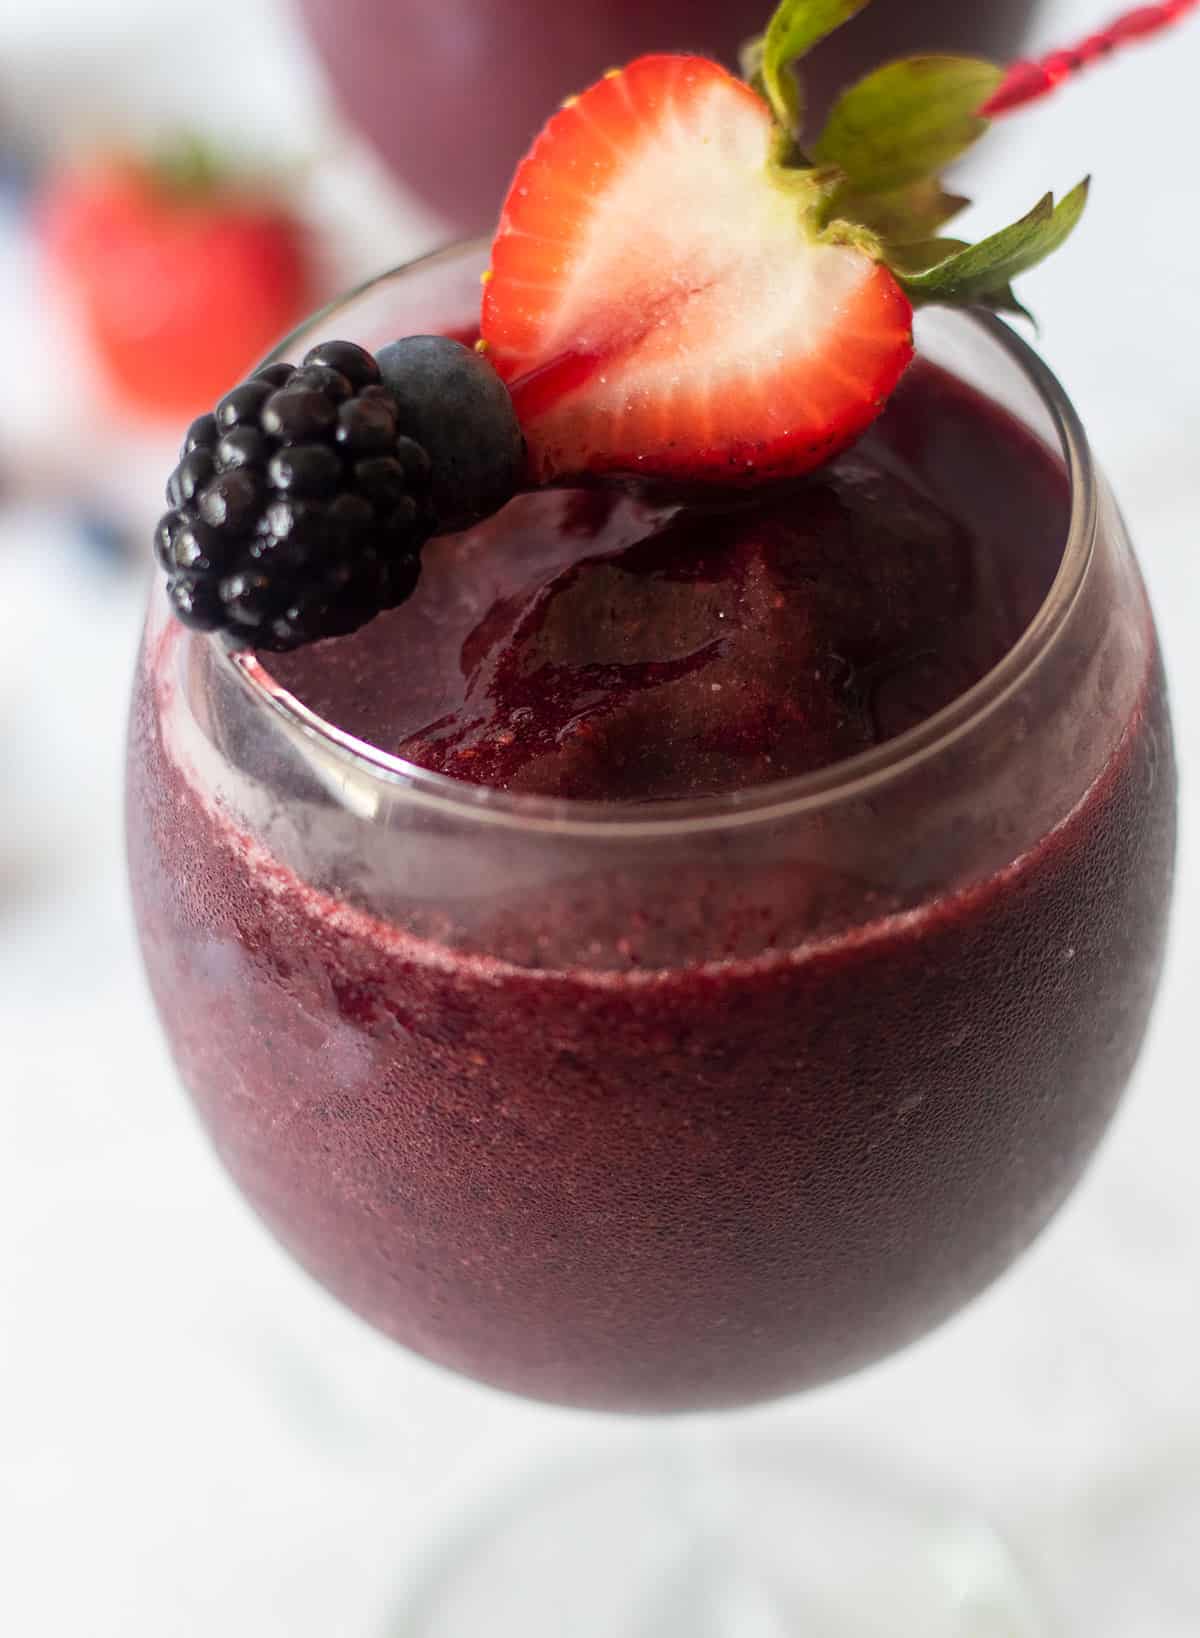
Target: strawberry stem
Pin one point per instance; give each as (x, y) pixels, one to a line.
(1032, 78)
(188, 167)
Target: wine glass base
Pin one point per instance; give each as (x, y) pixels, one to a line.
(733, 1538)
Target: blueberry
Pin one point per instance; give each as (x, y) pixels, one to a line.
(453, 403)
(189, 477)
(297, 416)
(350, 360)
(242, 406)
(305, 470)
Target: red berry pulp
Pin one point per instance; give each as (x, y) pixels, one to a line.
(637, 1144)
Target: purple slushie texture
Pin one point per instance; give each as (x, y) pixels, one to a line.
(607, 647)
(689, 1182)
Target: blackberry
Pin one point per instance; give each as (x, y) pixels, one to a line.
(240, 408)
(277, 374)
(300, 506)
(243, 446)
(348, 359)
(190, 476)
(165, 535)
(230, 502)
(314, 471)
(201, 434)
(195, 602)
(332, 383)
(367, 426)
(272, 535)
(295, 415)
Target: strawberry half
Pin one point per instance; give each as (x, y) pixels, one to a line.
(181, 276)
(664, 298)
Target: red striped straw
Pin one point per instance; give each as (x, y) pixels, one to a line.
(1027, 80)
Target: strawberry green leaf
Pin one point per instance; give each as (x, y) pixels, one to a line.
(796, 27)
(904, 216)
(1005, 301)
(907, 120)
(982, 273)
(922, 254)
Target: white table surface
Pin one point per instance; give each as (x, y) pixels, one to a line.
(195, 1440)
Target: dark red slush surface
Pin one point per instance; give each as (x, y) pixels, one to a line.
(608, 648)
(710, 1183)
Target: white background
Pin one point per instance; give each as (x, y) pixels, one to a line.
(194, 1439)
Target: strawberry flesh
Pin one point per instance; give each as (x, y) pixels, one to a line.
(660, 302)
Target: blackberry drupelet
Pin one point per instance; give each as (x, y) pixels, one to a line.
(300, 506)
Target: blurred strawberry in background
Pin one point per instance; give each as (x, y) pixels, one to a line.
(181, 272)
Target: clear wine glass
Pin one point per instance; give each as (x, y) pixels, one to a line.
(683, 1106)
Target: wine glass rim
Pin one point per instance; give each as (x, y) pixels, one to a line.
(854, 778)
